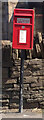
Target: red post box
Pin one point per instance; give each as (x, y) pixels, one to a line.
(23, 27)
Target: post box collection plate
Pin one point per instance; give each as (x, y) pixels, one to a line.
(23, 27)
(22, 38)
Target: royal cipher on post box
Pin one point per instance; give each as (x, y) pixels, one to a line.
(23, 27)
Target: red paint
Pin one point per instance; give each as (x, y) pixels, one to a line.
(27, 29)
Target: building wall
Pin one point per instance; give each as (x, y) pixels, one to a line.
(4, 20)
(39, 24)
(7, 17)
(11, 6)
(39, 19)
(38, 6)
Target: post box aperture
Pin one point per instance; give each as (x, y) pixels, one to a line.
(23, 27)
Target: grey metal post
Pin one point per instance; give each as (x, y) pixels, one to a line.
(21, 81)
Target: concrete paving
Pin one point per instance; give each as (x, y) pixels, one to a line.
(32, 115)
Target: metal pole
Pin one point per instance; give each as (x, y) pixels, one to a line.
(21, 81)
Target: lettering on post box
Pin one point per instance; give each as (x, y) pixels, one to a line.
(23, 20)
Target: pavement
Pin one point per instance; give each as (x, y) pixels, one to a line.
(26, 114)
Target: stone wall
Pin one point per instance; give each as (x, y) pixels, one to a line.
(33, 84)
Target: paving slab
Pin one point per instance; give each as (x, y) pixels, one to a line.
(28, 114)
